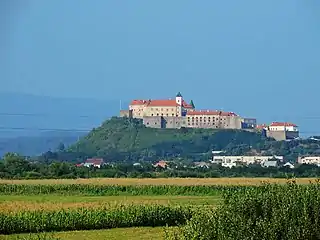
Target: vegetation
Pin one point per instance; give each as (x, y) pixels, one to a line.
(14, 166)
(288, 212)
(16, 203)
(124, 139)
(109, 190)
(86, 219)
(134, 233)
(248, 211)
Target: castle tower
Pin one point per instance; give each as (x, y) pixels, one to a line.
(179, 98)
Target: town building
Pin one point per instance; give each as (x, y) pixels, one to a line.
(94, 162)
(315, 160)
(289, 165)
(233, 161)
(177, 113)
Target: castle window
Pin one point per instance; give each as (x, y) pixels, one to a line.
(167, 114)
(172, 114)
(161, 114)
(157, 114)
(152, 114)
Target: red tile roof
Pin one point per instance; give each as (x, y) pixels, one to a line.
(164, 103)
(211, 112)
(95, 161)
(282, 124)
(156, 103)
(261, 126)
(161, 163)
(138, 102)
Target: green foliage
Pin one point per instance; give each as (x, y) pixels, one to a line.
(87, 219)
(286, 212)
(128, 139)
(109, 190)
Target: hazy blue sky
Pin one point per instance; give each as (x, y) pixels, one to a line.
(257, 58)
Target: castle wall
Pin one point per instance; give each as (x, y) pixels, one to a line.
(282, 135)
(126, 113)
(164, 111)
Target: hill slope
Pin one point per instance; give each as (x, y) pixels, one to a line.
(35, 145)
(128, 139)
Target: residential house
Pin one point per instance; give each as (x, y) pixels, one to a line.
(289, 165)
(315, 160)
(161, 164)
(202, 165)
(270, 163)
(94, 162)
(233, 161)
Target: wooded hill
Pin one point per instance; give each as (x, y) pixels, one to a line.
(128, 139)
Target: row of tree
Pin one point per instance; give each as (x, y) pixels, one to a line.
(14, 166)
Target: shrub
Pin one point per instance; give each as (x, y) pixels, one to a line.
(286, 212)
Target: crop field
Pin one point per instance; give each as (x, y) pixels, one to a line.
(168, 209)
(160, 181)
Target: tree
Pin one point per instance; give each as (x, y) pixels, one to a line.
(61, 147)
(15, 164)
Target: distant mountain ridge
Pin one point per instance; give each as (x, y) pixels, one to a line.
(32, 124)
(36, 145)
(18, 111)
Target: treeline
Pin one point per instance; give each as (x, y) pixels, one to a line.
(14, 166)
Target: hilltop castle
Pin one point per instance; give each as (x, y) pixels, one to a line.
(177, 113)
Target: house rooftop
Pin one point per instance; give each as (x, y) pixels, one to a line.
(282, 124)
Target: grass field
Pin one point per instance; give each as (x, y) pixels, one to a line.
(161, 181)
(145, 233)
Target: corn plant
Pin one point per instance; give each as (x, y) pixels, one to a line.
(87, 219)
(286, 212)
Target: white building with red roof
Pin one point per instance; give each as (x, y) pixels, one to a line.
(177, 113)
(280, 130)
(283, 126)
(164, 107)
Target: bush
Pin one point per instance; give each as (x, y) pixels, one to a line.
(286, 212)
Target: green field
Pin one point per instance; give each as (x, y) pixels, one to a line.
(145, 233)
(141, 211)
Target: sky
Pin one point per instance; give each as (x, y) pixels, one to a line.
(256, 58)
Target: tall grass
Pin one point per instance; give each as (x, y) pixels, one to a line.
(87, 219)
(109, 190)
(289, 212)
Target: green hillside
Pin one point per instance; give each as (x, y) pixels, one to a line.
(128, 139)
